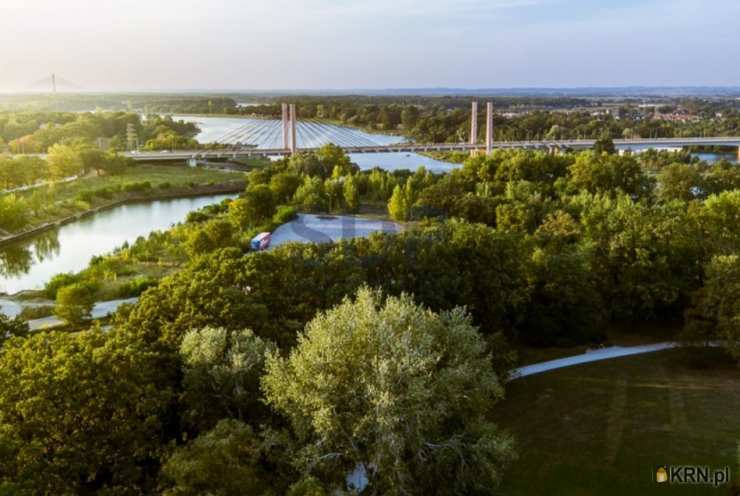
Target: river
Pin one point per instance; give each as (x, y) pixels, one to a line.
(30, 264)
(267, 133)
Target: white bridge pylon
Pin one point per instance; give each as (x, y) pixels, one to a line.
(289, 124)
(474, 126)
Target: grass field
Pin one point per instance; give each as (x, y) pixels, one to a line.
(175, 175)
(59, 201)
(603, 428)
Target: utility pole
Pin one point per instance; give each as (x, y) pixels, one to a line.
(132, 139)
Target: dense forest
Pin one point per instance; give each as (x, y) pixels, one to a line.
(36, 132)
(447, 120)
(370, 363)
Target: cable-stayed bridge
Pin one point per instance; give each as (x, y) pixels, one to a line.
(269, 138)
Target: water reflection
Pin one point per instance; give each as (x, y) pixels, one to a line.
(31, 263)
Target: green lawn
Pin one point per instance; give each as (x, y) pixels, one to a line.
(58, 201)
(602, 428)
(176, 175)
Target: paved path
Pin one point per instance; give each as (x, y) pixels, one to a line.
(590, 356)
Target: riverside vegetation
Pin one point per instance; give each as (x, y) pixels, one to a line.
(375, 361)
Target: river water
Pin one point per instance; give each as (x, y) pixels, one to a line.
(267, 133)
(30, 264)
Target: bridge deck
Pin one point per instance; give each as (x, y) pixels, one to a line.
(436, 147)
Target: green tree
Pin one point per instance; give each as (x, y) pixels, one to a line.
(74, 304)
(332, 156)
(256, 207)
(229, 460)
(396, 392)
(351, 194)
(311, 195)
(210, 236)
(10, 328)
(610, 174)
(221, 373)
(284, 185)
(605, 144)
(398, 208)
(715, 311)
(64, 161)
(13, 212)
(80, 413)
(680, 182)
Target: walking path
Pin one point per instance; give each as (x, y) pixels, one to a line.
(590, 356)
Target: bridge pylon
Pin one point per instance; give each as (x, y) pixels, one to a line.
(489, 128)
(286, 127)
(293, 137)
(473, 126)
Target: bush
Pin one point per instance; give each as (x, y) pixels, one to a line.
(284, 214)
(165, 186)
(75, 303)
(37, 312)
(135, 287)
(137, 187)
(85, 196)
(58, 282)
(197, 217)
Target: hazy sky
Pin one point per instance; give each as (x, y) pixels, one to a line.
(312, 44)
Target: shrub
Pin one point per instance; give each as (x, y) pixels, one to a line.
(284, 214)
(58, 282)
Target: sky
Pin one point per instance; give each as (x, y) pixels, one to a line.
(106, 45)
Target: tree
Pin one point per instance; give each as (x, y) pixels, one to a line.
(256, 207)
(609, 174)
(221, 373)
(229, 460)
(680, 182)
(351, 194)
(398, 209)
(283, 186)
(605, 144)
(395, 392)
(75, 303)
(210, 236)
(64, 161)
(715, 311)
(646, 257)
(13, 212)
(10, 328)
(332, 156)
(80, 413)
(311, 195)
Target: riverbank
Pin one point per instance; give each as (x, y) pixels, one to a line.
(53, 206)
(129, 198)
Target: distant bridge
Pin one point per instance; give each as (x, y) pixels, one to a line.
(550, 145)
(288, 129)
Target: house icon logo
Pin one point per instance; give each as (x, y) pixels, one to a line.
(661, 475)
